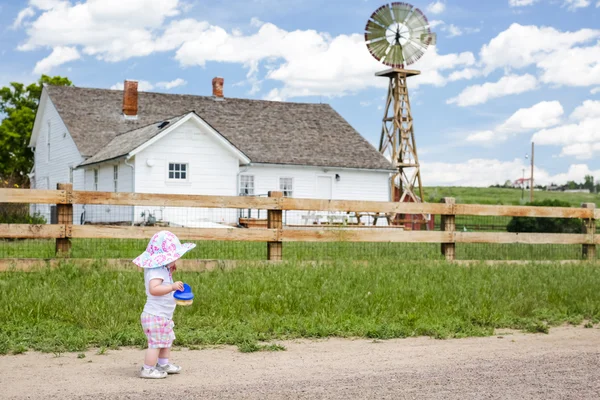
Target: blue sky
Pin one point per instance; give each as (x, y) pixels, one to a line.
(503, 73)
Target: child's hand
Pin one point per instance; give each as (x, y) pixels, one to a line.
(177, 286)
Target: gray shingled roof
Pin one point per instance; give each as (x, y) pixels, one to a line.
(266, 131)
(122, 144)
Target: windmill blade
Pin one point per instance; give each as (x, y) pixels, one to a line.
(401, 11)
(395, 57)
(412, 51)
(374, 31)
(417, 21)
(379, 48)
(383, 16)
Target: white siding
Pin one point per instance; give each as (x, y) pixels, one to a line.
(104, 213)
(352, 185)
(212, 167)
(63, 154)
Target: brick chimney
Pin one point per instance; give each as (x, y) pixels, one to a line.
(130, 99)
(217, 84)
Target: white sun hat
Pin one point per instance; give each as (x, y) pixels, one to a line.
(163, 249)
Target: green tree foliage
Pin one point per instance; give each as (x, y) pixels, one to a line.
(545, 225)
(18, 105)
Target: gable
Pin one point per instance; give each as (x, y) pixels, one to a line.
(131, 143)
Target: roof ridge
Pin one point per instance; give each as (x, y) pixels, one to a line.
(192, 95)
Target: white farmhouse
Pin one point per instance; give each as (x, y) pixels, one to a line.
(125, 141)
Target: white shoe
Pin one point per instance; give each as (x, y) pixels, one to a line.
(169, 368)
(152, 373)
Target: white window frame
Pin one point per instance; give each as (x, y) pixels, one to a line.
(243, 188)
(115, 177)
(290, 191)
(48, 134)
(180, 171)
(96, 173)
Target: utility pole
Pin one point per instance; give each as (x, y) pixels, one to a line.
(523, 185)
(531, 180)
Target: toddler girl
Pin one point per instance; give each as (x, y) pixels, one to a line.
(158, 262)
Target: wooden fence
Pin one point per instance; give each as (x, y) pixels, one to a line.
(275, 234)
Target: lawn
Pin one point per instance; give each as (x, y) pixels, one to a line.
(71, 308)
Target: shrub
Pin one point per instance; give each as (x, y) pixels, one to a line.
(19, 214)
(545, 225)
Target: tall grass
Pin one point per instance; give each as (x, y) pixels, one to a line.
(72, 307)
(297, 251)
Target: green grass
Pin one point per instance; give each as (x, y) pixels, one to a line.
(72, 308)
(503, 196)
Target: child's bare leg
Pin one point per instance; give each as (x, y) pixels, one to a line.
(164, 353)
(151, 356)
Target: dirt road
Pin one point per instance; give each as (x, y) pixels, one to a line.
(562, 365)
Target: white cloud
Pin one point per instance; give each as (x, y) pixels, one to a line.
(467, 73)
(575, 4)
(507, 85)
(437, 7)
(23, 14)
(143, 86)
(573, 67)
(580, 138)
(542, 115)
(172, 84)
(454, 31)
(307, 62)
(45, 4)
(595, 90)
(103, 28)
(435, 23)
(521, 3)
(589, 109)
(483, 136)
(59, 56)
(521, 46)
(485, 172)
(312, 63)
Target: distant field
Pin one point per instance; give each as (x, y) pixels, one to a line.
(473, 195)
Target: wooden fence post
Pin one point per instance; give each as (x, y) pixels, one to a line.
(589, 228)
(448, 224)
(65, 217)
(275, 221)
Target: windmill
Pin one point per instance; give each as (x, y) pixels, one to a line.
(398, 35)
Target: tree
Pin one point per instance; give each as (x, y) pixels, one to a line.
(18, 105)
(589, 183)
(543, 224)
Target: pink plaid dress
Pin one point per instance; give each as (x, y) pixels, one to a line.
(158, 330)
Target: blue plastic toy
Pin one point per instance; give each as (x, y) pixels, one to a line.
(184, 297)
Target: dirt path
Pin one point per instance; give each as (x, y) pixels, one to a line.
(562, 365)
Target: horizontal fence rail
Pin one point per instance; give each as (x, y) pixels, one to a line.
(36, 196)
(275, 234)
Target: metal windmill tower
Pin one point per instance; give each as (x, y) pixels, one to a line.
(396, 35)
